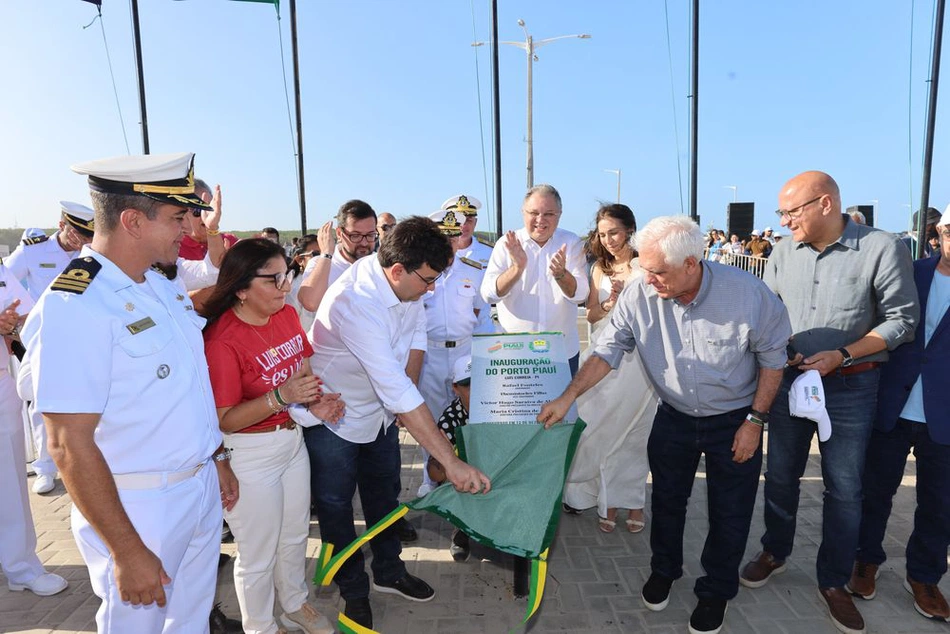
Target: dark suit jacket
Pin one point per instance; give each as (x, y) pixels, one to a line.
(912, 360)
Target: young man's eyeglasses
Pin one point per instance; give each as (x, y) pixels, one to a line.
(795, 212)
(359, 237)
(280, 279)
(426, 279)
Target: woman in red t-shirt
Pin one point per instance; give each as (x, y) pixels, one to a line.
(257, 357)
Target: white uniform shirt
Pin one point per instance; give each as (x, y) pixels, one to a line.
(10, 290)
(134, 354)
(450, 308)
(37, 265)
(536, 303)
(361, 340)
(477, 251)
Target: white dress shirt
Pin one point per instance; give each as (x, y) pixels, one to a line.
(536, 303)
(361, 341)
(36, 265)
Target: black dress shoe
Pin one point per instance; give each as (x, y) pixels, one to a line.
(220, 624)
(460, 548)
(405, 530)
(226, 536)
(223, 559)
(358, 610)
(409, 587)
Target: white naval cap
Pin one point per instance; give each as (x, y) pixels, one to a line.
(167, 178)
(79, 216)
(945, 218)
(462, 369)
(449, 222)
(32, 232)
(466, 204)
(806, 399)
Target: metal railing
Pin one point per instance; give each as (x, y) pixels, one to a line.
(750, 263)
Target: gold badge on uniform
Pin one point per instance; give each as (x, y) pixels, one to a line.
(140, 325)
(47, 265)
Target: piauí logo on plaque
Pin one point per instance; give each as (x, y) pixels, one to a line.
(540, 345)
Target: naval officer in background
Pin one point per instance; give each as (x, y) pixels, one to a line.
(134, 432)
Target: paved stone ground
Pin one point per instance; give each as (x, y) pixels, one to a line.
(593, 582)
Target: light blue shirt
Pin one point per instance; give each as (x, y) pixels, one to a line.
(937, 303)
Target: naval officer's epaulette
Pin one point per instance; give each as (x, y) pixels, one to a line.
(37, 240)
(76, 277)
(472, 263)
(485, 241)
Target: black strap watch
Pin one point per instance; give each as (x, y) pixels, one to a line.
(848, 359)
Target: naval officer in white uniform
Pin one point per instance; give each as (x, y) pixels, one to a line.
(36, 262)
(453, 309)
(17, 535)
(134, 432)
(473, 248)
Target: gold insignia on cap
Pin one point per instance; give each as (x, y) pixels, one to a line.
(189, 188)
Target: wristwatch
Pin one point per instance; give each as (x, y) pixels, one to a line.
(221, 456)
(848, 359)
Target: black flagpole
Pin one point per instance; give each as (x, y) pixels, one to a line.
(496, 114)
(694, 116)
(301, 190)
(929, 143)
(141, 75)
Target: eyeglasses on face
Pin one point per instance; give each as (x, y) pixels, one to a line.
(427, 280)
(280, 280)
(359, 237)
(795, 212)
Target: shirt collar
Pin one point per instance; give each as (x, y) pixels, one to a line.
(386, 293)
(848, 239)
(704, 285)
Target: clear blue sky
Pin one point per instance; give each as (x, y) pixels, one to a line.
(391, 114)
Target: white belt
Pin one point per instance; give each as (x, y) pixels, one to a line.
(449, 344)
(154, 480)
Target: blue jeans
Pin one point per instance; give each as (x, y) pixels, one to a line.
(337, 468)
(676, 443)
(851, 402)
(886, 458)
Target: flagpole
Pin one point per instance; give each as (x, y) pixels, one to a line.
(921, 227)
(301, 190)
(496, 115)
(139, 73)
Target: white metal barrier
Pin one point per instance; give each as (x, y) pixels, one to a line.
(750, 263)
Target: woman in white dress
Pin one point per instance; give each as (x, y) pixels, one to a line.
(610, 468)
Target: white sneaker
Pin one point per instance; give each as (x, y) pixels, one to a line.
(43, 484)
(307, 619)
(425, 489)
(46, 585)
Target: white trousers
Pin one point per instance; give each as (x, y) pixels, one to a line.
(181, 524)
(17, 533)
(270, 523)
(43, 465)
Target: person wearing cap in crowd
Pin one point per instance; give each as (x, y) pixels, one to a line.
(18, 558)
(452, 311)
(474, 248)
(369, 338)
(769, 235)
(270, 233)
(910, 237)
(911, 413)
(134, 431)
(537, 275)
(850, 295)
(716, 372)
(35, 263)
(758, 247)
(454, 416)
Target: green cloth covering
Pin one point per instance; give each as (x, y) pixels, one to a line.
(527, 465)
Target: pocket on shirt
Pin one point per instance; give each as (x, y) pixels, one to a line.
(146, 342)
(467, 291)
(722, 353)
(844, 292)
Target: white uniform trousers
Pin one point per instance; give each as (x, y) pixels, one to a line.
(270, 523)
(17, 533)
(43, 465)
(181, 524)
(435, 384)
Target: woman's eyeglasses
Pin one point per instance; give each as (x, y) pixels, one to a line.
(280, 279)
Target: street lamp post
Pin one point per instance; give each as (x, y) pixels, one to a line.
(735, 192)
(617, 172)
(529, 46)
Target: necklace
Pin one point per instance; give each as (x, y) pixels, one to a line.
(270, 346)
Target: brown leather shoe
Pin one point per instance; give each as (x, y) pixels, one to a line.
(862, 583)
(757, 572)
(844, 614)
(928, 600)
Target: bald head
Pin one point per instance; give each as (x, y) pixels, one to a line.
(812, 208)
